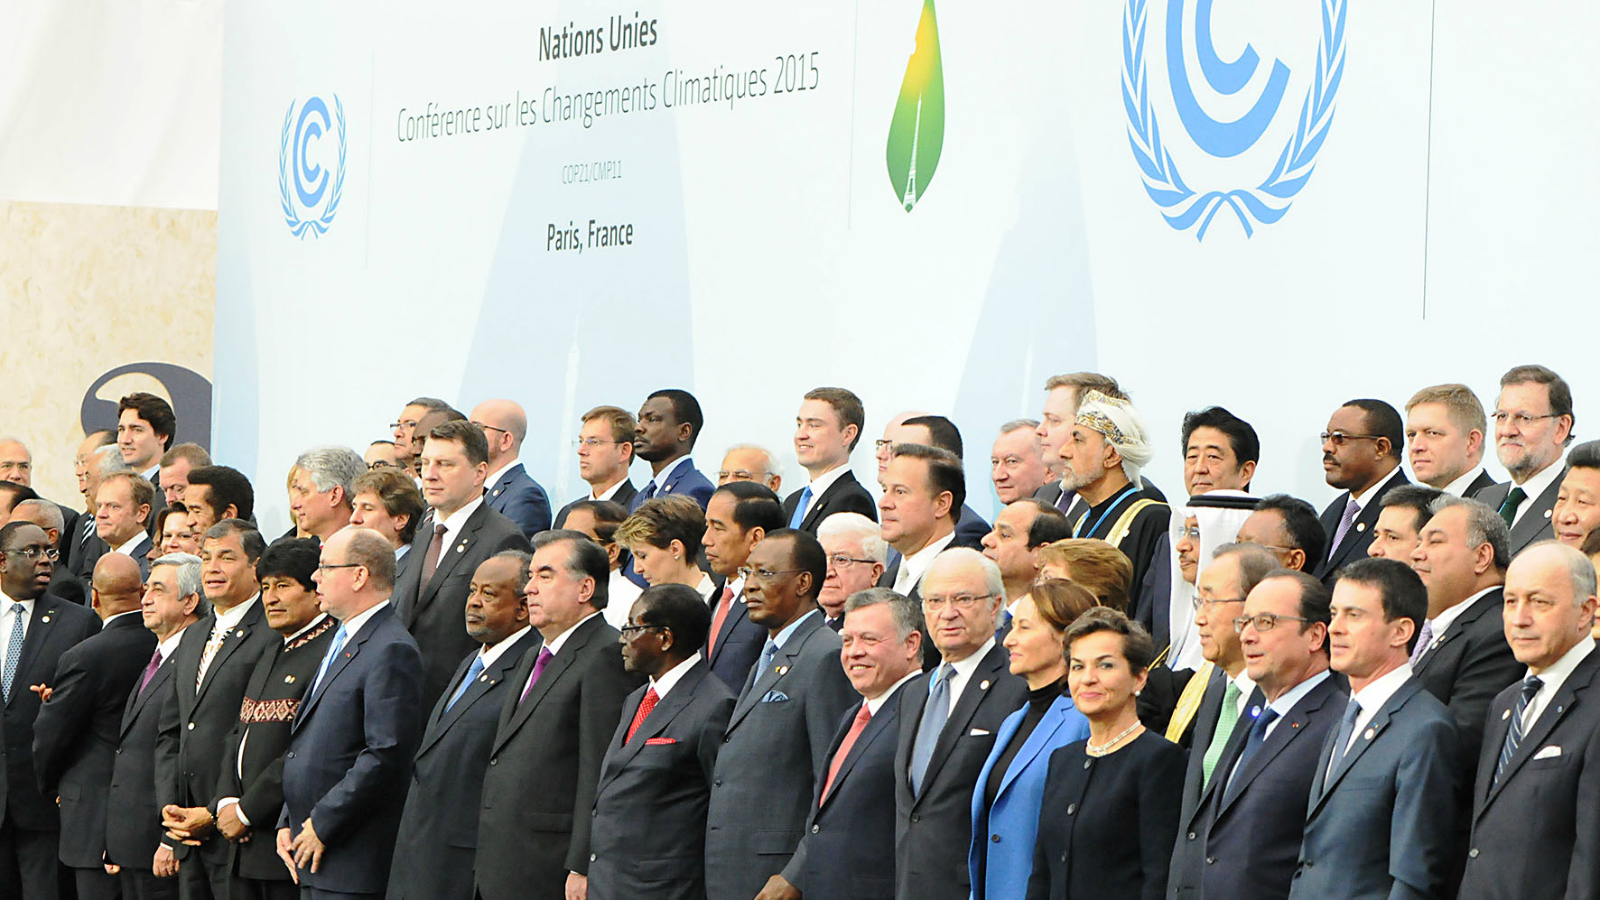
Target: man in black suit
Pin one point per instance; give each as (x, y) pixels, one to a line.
(1251, 827)
(655, 782)
(47, 515)
(605, 451)
(1532, 427)
(438, 836)
(249, 792)
(35, 630)
(353, 737)
(923, 490)
(387, 501)
(216, 493)
(947, 726)
(670, 422)
(407, 439)
(1288, 526)
(738, 516)
(320, 489)
(778, 734)
(826, 430)
(1361, 456)
(75, 736)
(1534, 832)
(933, 431)
(1403, 512)
(122, 513)
(508, 487)
(145, 429)
(562, 708)
(145, 866)
(1019, 531)
(210, 669)
(86, 466)
(431, 594)
(1445, 437)
(848, 846)
(1015, 467)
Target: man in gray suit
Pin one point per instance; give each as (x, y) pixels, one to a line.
(781, 727)
(1532, 427)
(655, 783)
(1381, 820)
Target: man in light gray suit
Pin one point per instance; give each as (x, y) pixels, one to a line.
(1532, 427)
(782, 725)
(1383, 801)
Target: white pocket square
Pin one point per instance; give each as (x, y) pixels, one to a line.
(1548, 752)
(978, 732)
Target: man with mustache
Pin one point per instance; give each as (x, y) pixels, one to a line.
(1361, 456)
(1532, 427)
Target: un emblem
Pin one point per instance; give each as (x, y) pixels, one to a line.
(305, 184)
(1256, 202)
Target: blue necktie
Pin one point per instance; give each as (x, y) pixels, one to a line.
(1252, 743)
(800, 508)
(934, 714)
(473, 671)
(333, 653)
(767, 653)
(1530, 687)
(648, 492)
(19, 614)
(1341, 740)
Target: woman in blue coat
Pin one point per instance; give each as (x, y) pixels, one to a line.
(1005, 802)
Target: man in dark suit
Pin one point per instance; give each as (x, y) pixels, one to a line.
(940, 432)
(605, 451)
(353, 737)
(437, 842)
(565, 700)
(1532, 427)
(738, 516)
(47, 515)
(35, 630)
(848, 847)
(669, 424)
(778, 734)
(923, 490)
(827, 429)
(210, 669)
(1251, 826)
(1019, 530)
(1288, 526)
(1382, 799)
(145, 429)
(1534, 832)
(1445, 437)
(249, 792)
(1016, 469)
(97, 457)
(122, 513)
(655, 782)
(431, 594)
(135, 853)
(856, 551)
(75, 735)
(947, 727)
(1361, 456)
(509, 489)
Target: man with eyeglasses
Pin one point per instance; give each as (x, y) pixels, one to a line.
(510, 490)
(36, 628)
(856, 552)
(656, 780)
(1361, 452)
(16, 466)
(950, 717)
(1287, 526)
(1532, 427)
(605, 451)
(750, 462)
(1252, 826)
(739, 516)
(781, 726)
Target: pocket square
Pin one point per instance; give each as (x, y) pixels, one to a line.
(774, 697)
(978, 732)
(1549, 751)
(660, 742)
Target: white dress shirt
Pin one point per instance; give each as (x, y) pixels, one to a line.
(609, 492)
(1537, 484)
(964, 670)
(1554, 677)
(1458, 488)
(876, 703)
(452, 527)
(820, 484)
(1373, 697)
(353, 625)
(666, 472)
(554, 645)
(912, 567)
(670, 678)
(7, 622)
(1442, 622)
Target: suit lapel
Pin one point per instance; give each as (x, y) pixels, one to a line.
(777, 670)
(351, 648)
(1323, 786)
(450, 556)
(137, 700)
(736, 614)
(1536, 520)
(880, 727)
(230, 642)
(495, 497)
(521, 709)
(814, 512)
(676, 701)
(972, 694)
(40, 629)
(1288, 729)
(1055, 718)
(1558, 708)
(499, 671)
(1492, 600)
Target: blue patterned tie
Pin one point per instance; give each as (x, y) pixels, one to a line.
(934, 715)
(767, 653)
(1530, 688)
(1252, 743)
(333, 653)
(800, 508)
(648, 492)
(19, 615)
(473, 671)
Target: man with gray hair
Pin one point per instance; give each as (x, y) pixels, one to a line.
(856, 552)
(319, 493)
(87, 547)
(951, 715)
(1016, 464)
(750, 462)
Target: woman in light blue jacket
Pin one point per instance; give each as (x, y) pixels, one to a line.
(1005, 802)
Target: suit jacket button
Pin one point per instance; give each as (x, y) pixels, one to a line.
(592, 857)
(916, 817)
(1063, 857)
(290, 756)
(816, 828)
(995, 838)
(594, 813)
(1191, 835)
(1473, 853)
(1072, 808)
(717, 783)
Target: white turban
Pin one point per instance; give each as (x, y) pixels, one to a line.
(1122, 427)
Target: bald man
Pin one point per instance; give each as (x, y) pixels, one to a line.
(509, 489)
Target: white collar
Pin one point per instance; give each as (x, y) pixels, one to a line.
(118, 616)
(670, 678)
(970, 664)
(1379, 690)
(706, 588)
(1561, 668)
(171, 643)
(309, 625)
(227, 620)
(554, 644)
(491, 652)
(1458, 488)
(455, 520)
(1542, 479)
(132, 544)
(783, 636)
(820, 484)
(666, 472)
(354, 624)
(153, 475)
(916, 564)
(1285, 703)
(9, 602)
(609, 492)
(876, 703)
(497, 474)
(1361, 498)
(1442, 622)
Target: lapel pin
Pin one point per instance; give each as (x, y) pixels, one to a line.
(783, 670)
(45, 620)
(1371, 733)
(1361, 526)
(1255, 712)
(483, 678)
(983, 686)
(288, 679)
(1547, 514)
(347, 655)
(1294, 724)
(461, 548)
(1505, 715)
(239, 633)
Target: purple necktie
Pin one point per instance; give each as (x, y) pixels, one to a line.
(1351, 510)
(150, 670)
(538, 669)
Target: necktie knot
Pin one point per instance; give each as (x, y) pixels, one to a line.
(1530, 688)
(18, 609)
(864, 715)
(1352, 711)
(1508, 509)
(440, 529)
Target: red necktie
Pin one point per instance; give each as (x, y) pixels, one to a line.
(648, 703)
(720, 617)
(856, 727)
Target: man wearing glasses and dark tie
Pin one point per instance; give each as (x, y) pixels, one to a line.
(1361, 452)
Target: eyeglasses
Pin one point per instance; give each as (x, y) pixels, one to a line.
(1192, 534)
(1263, 622)
(488, 427)
(1519, 419)
(380, 464)
(592, 443)
(394, 425)
(840, 561)
(323, 567)
(742, 475)
(628, 631)
(33, 553)
(749, 574)
(1339, 438)
(960, 601)
(880, 444)
(1208, 604)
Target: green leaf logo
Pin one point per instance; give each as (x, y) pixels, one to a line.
(916, 133)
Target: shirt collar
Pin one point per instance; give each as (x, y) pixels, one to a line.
(1285, 703)
(168, 646)
(227, 620)
(497, 474)
(490, 653)
(1541, 480)
(153, 475)
(1443, 621)
(8, 602)
(670, 678)
(1557, 673)
(132, 544)
(1458, 488)
(554, 644)
(354, 624)
(131, 612)
(876, 703)
(782, 637)
(1380, 689)
(308, 626)
(917, 563)
(455, 520)
(1362, 498)
(609, 492)
(666, 473)
(820, 484)
(967, 666)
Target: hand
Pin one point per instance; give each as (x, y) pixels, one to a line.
(165, 864)
(229, 825)
(285, 846)
(577, 886)
(112, 868)
(777, 888)
(308, 847)
(43, 690)
(187, 823)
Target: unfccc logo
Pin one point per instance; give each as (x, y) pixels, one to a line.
(306, 182)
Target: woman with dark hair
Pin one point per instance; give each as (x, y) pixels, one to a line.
(175, 529)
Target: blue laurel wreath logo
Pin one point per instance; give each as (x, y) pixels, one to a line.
(311, 190)
(1182, 206)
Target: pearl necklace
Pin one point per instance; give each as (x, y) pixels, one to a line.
(1105, 748)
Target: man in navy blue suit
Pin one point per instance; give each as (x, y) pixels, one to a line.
(353, 738)
(669, 423)
(509, 489)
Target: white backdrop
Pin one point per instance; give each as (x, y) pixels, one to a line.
(1448, 209)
